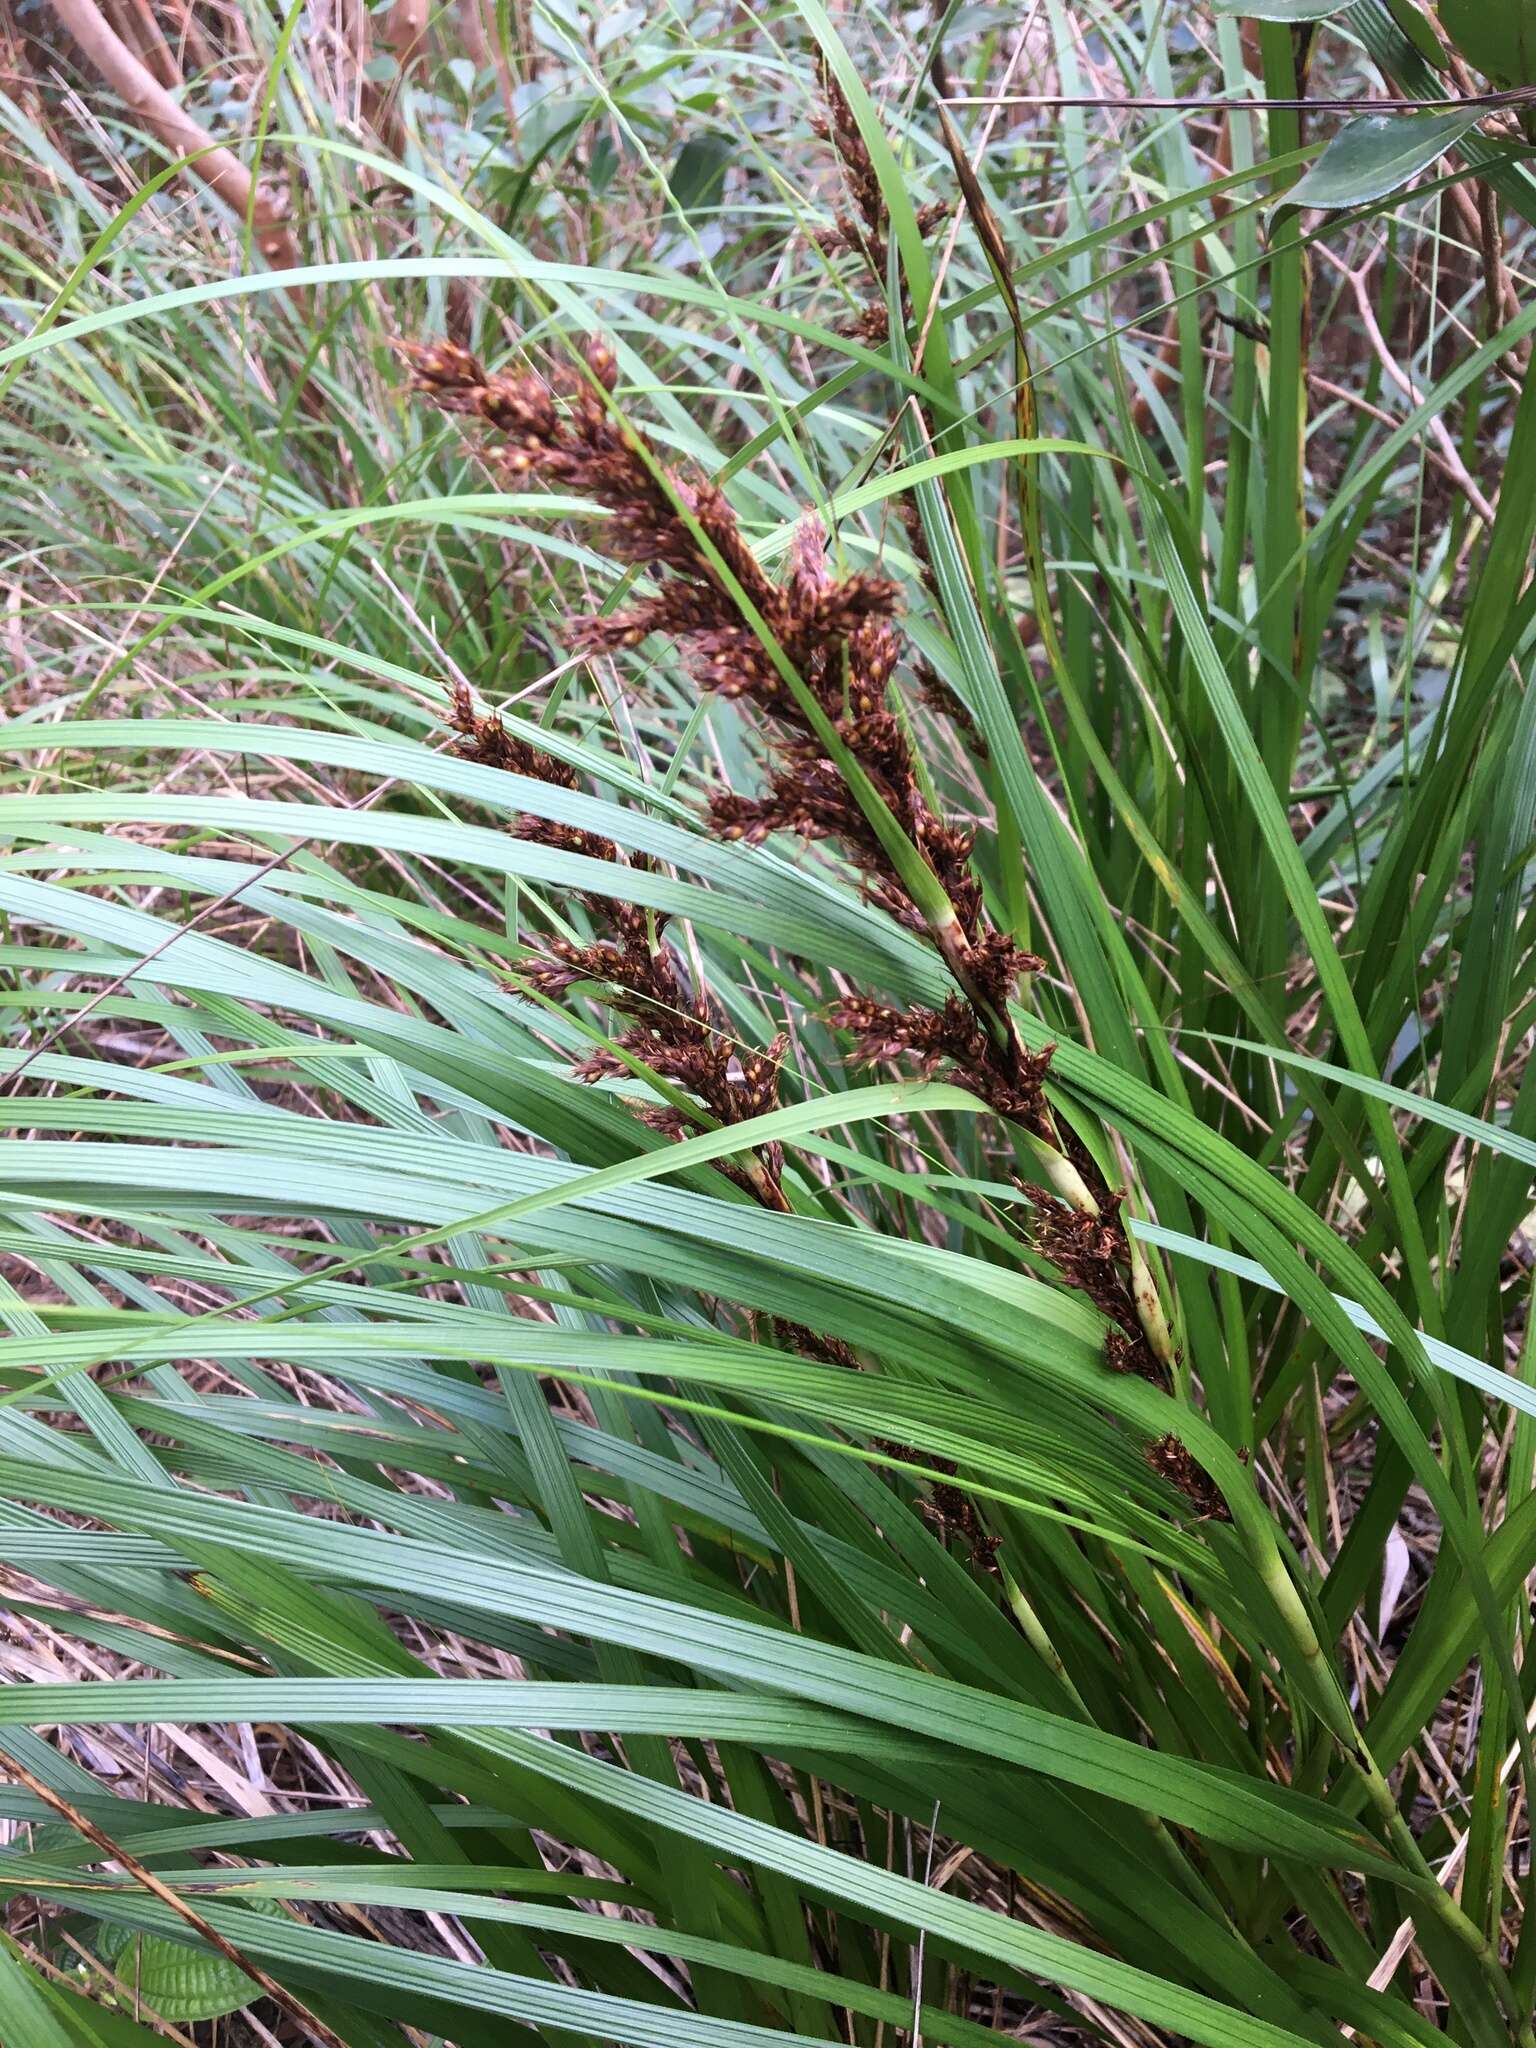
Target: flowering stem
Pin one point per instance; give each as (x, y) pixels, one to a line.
(816, 654)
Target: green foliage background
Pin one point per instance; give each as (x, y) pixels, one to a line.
(375, 1384)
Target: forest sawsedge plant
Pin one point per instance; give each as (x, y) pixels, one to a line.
(839, 637)
(361, 1344)
(839, 641)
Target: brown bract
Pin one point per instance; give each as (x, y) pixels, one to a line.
(1090, 1253)
(866, 228)
(951, 1037)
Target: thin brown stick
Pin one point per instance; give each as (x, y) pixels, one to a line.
(283, 1999)
(118, 981)
(1469, 211)
(149, 102)
(1487, 102)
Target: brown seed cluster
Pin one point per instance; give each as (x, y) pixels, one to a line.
(1088, 1252)
(674, 1029)
(1010, 1081)
(1092, 1254)
(948, 1507)
(865, 227)
(866, 231)
(936, 691)
(812, 639)
(834, 633)
(952, 1511)
(1170, 1459)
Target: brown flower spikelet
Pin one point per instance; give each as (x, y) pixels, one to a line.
(949, 1036)
(1171, 1460)
(672, 1031)
(1091, 1254)
(866, 230)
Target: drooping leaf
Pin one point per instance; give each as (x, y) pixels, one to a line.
(1376, 155)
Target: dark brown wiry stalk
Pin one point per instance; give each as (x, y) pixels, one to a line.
(837, 636)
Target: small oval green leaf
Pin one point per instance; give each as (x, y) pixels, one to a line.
(181, 1983)
(698, 174)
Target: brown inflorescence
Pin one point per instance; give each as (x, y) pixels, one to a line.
(871, 325)
(953, 1037)
(673, 1029)
(866, 228)
(810, 652)
(835, 633)
(1089, 1253)
(935, 691)
(1171, 1460)
(949, 1507)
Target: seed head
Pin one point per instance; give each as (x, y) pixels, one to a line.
(1171, 1460)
